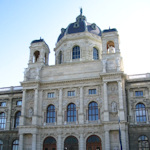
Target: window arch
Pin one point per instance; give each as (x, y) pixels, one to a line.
(2, 120)
(1, 145)
(95, 54)
(15, 145)
(71, 143)
(76, 52)
(17, 116)
(93, 142)
(93, 111)
(50, 114)
(60, 58)
(140, 112)
(36, 56)
(143, 143)
(110, 47)
(71, 112)
(49, 142)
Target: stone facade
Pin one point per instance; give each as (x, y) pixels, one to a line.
(86, 96)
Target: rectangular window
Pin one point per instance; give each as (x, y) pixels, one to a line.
(3, 104)
(51, 95)
(92, 91)
(138, 93)
(19, 103)
(71, 93)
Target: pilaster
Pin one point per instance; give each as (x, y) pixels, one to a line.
(59, 142)
(22, 117)
(81, 114)
(21, 142)
(106, 113)
(8, 126)
(60, 108)
(121, 108)
(34, 140)
(107, 140)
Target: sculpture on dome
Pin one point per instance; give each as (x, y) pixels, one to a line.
(81, 11)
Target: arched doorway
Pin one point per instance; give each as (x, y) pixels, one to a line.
(49, 144)
(71, 143)
(93, 143)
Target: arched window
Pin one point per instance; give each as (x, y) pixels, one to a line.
(140, 113)
(50, 114)
(36, 56)
(110, 47)
(71, 112)
(93, 111)
(2, 120)
(49, 142)
(76, 52)
(60, 57)
(93, 142)
(71, 143)
(1, 145)
(143, 143)
(15, 145)
(17, 115)
(95, 54)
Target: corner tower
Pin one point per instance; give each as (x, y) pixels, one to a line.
(111, 56)
(39, 57)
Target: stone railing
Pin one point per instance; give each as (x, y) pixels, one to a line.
(10, 89)
(138, 76)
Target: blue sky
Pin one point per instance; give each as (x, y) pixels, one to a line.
(25, 20)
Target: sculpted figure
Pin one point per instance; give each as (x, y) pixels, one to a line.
(114, 107)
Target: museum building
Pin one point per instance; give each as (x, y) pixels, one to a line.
(83, 102)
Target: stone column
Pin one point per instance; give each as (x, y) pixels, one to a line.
(59, 143)
(22, 117)
(81, 114)
(9, 114)
(21, 142)
(107, 141)
(36, 102)
(123, 139)
(81, 142)
(120, 93)
(106, 113)
(135, 121)
(60, 108)
(147, 121)
(34, 141)
(35, 115)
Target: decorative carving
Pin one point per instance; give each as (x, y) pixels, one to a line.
(30, 112)
(30, 96)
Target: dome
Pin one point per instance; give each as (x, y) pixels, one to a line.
(81, 25)
(37, 41)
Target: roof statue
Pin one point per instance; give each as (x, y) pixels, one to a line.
(81, 11)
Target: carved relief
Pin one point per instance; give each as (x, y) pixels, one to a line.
(30, 95)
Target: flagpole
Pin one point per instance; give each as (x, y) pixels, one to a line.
(119, 131)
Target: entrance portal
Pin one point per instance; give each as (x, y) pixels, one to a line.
(49, 144)
(71, 143)
(93, 143)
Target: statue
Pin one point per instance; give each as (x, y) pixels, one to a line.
(81, 11)
(30, 112)
(114, 107)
